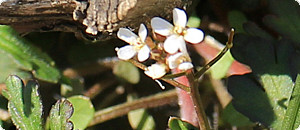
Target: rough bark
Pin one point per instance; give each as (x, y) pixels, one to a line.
(57, 15)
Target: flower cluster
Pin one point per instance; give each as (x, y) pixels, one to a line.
(171, 53)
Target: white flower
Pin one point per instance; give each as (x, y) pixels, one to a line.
(136, 44)
(156, 71)
(177, 34)
(299, 4)
(179, 60)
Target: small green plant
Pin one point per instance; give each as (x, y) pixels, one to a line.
(55, 81)
(26, 109)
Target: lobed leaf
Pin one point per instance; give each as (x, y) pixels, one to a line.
(24, 104)
(83, 111)
(60, 114)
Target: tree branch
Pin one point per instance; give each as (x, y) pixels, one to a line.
(57, 15)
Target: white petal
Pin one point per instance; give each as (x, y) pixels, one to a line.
(179, 17)
(127, 36)
(126, 52)
(173, 43)
(161, 26)
(193, 35)
(173, 60)
(144, 53)
(185, 66)
(143, 32)
(156, 71)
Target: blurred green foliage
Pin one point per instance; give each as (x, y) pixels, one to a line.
(267, 41)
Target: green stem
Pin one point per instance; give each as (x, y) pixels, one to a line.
(195, 96)
(229, 45)
(156, 100)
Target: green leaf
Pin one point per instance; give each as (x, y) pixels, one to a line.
(286, 19)
(60, 114)
(292, 116)
(236, 20)
(270, 85)
(234, 117)
(27, 56)
(24, 103)
(140, 119)
(10, 68)
(250, 99)
(83, 111)
(177, 124)
(127, 72)
(219, 70)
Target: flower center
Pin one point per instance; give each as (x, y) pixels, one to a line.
(138, 47)
(179, 30)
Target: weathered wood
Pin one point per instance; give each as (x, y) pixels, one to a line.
(103, 16)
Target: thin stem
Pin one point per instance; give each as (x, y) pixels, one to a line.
(156, 100)
(229, 45)
(195, 96)
(177, 84)
(171, 76)
(98, 88)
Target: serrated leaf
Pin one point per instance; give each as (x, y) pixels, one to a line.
(175, 123)
(292, 116)
(140, 119)
(219, 70)
(27, 56)
(24, 103)
(234, 117)
(60, 114)
(83, 111)
(127, 72)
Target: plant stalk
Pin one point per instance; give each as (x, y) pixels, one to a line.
(156, 100)
(195, 96)
(229, 45)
